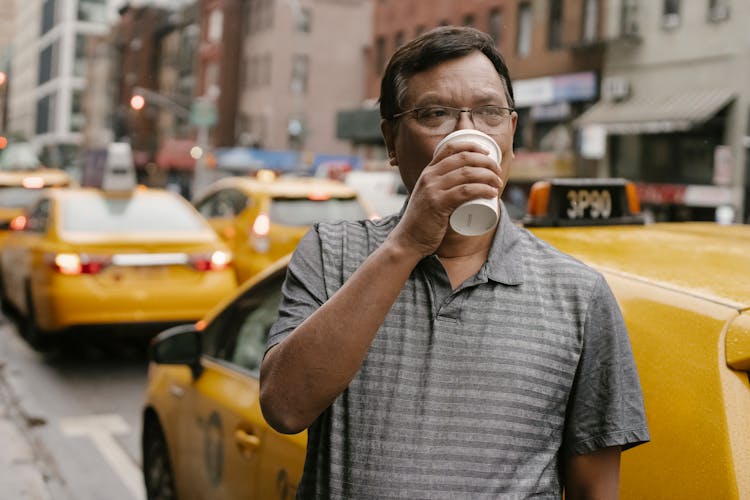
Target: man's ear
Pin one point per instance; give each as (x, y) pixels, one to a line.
(389, 135)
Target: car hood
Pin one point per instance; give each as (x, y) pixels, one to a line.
(703, 259)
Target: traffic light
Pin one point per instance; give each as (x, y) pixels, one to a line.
(137, 102)
(3, 78)
(3, 141)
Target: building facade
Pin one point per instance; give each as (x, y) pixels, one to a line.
(48, 72)
(301, 60)
(675, 103)
(554, 53)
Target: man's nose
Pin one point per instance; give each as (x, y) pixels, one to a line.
(465, 120)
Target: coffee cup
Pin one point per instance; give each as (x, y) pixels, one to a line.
(477, 216)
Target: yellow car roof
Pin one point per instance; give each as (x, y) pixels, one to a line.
(292, 187)
(702, 259)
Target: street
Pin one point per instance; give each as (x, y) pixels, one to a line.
(79, 412)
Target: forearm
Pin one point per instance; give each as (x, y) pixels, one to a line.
(302, 375)
(594, 476)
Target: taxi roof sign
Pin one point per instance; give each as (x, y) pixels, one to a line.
(583, 202)
(119, 168)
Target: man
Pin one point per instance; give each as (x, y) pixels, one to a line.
(427, 364)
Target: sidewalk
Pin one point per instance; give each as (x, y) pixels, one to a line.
(21, 474)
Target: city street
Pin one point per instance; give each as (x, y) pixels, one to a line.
(79, 413)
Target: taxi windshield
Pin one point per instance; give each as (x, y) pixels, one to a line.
(133, 214)
(19, 156)
(18, 197)
(304, 211)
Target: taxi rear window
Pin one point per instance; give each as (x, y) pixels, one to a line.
(18, 197)
(134, 214)
(305, 212)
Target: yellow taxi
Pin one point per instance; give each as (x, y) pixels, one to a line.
(127, 260)
(22, 180)
(263, 218)
(204, 435)
(685, 296)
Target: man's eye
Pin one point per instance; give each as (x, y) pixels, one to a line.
(430, 113)
(489, 111)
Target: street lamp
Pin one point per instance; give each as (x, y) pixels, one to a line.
(137, 102)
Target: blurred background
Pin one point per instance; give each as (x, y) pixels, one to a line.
(655, 91)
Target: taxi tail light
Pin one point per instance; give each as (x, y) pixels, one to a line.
(73, 264)
(18, 223)
(215, 261)
(634, 202)
(259, 234)
(539, 199)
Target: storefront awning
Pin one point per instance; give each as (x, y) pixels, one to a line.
(654, 114)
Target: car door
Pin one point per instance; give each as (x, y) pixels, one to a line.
(234, 451)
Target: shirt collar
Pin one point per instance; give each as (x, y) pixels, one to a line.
(505, 262)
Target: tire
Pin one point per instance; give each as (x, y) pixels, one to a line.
(157, 468)
(30, 329)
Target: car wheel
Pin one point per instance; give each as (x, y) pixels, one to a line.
(157, 469)
(30, 330)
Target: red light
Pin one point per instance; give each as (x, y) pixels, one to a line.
(18, 223)
(137, 102)
(217, 261)
(72, 264)
(262, 225)
(3, 141)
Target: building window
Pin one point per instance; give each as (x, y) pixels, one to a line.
(93, 11)
(45, 112)
(718, 10)
(555, 25)
(300, 70)
(590, 21)
(265, 78)
(469, 20)
(215, 25)
(671, 14)
(495, 25)
(79, 65)
(399, 39)
(77, 118)
(629, 18)
(523, 40)
(380, 54)
(48, 63)
(48, 15)
(304, 20)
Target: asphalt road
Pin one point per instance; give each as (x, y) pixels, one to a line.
(81, 409)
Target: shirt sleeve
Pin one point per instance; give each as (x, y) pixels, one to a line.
(606, 404)
(303, 290)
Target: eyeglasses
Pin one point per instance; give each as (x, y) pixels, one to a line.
(443, 119)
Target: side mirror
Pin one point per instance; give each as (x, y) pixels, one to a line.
(179, 345)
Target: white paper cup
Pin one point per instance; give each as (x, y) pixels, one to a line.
(478, 216)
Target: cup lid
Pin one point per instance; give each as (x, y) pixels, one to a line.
(476, 136)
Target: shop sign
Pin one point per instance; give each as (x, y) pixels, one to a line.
(593, 144)
(548, 90)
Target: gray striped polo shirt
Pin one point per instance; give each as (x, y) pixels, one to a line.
(467, 393)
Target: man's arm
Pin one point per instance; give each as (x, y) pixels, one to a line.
(593, 476)
(302, 375)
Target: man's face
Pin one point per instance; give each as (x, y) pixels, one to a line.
(466, 82)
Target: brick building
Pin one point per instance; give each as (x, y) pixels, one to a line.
(554, 51)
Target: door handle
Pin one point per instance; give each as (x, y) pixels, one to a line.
(176, 391)
(246, 442)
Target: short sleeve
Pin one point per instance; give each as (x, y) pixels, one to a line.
(606, 404)
(303, 290)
